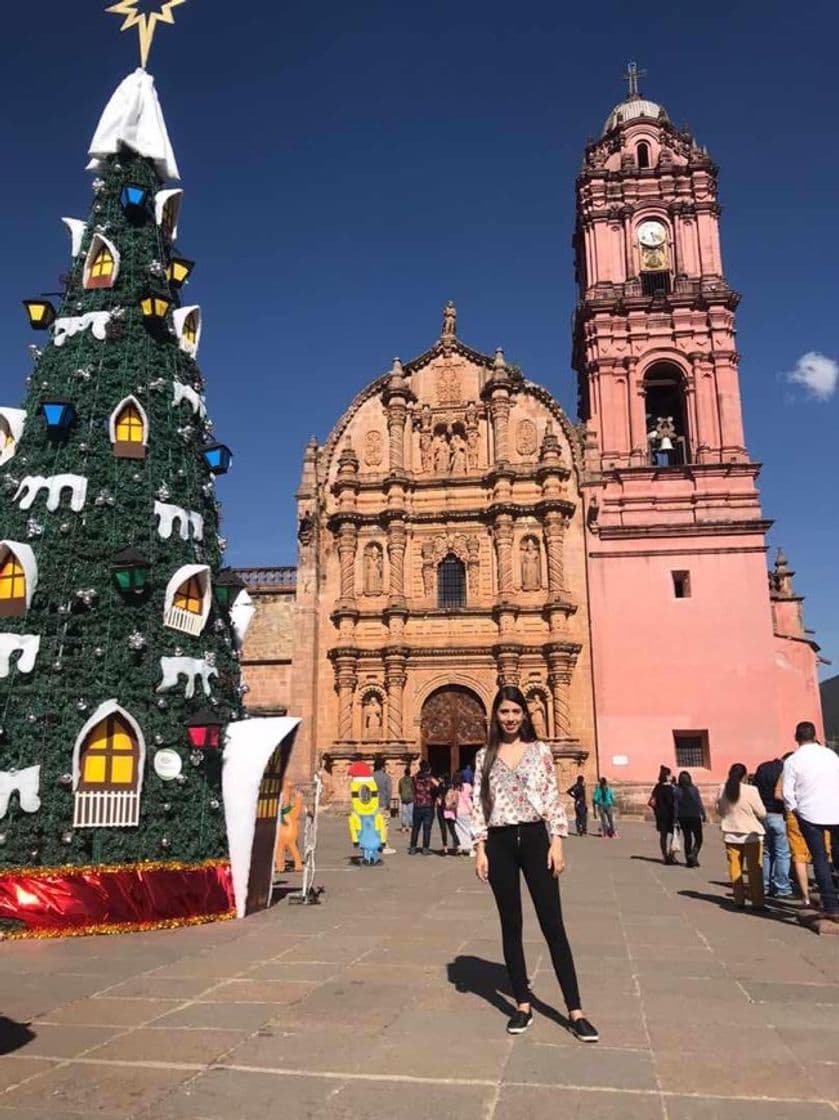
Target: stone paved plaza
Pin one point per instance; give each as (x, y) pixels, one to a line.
(389, 1001)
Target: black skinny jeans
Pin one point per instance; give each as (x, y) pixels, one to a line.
(513, 851)
(692, 833)
(447, 829)
(424, 816)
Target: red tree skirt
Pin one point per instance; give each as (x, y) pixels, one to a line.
(56, 901)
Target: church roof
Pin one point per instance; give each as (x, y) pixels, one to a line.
(632, 108)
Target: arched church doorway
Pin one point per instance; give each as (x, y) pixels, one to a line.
(453, 725)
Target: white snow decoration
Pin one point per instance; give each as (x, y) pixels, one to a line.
(26, 559)
(179, 319)
(67, 326)
(175, 194)
(28, 644)
(190, 667)
(186, 518)
(185, 393)
(108, 808)
(112, 419)
(76, 228)
(175, 617)
(96, 243)
(55, 485)
(133, 117)
(241, 613)
(11, 428)
(249, 744)
(26, 782)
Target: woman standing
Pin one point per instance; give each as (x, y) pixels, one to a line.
(463, 819)
(742, 813)
(663, 804)
(519, 824)
(578, 793)
(691, 814)
(604, 802)
(446, 812)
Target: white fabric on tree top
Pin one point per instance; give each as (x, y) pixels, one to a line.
(76, 228)
(133, 117)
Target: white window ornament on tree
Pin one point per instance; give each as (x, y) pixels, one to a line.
(128, 429)
(109, 758)
(186, 605)
(18, 578)
(76, 227)
(187, 324)
(11, 429)
(167, 211)
(101, 266)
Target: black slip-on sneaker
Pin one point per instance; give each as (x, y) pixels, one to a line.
(520, 1021)
(584, 1031)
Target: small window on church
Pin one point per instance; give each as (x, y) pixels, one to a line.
(643, 154)
(681, 584)
(692, 750)
(451, 583)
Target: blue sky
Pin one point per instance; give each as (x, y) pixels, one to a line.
(349, 167)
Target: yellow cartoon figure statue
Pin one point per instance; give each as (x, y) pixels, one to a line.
(367, 824)
(289, 827)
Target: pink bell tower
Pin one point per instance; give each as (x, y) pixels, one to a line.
(691, 666)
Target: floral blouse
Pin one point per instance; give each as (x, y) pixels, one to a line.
(525, 794)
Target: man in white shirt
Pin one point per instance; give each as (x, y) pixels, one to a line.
(810, 787)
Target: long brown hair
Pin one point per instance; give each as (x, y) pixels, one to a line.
(527, 734)
(731, 789)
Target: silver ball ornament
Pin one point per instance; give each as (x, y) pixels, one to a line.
(57, 666)
(167, 806)
(196, 757)
(67, 837)
(64, 527)
(181, 779)
(32, 718)
(214, 803)
(162, 703)
(158, 739)
(165, 842)
(65, 780)
(34, 853)
(98, 652)
(81, 704)
(2, 837)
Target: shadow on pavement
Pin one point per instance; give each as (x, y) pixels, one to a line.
(490, 981)
(13, 1035)
(774, 912)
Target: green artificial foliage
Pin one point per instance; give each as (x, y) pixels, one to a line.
(85, 656)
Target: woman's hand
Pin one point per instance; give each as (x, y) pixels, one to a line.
(482, 863)
(556, 860)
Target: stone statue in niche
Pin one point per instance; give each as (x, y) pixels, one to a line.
(472, 440)
(538, 715)
(373, 449)
(449, 320)
(372, 718)
(441, 452)
(428, 565)
(373, 570)
(471, 415)
(458, 452)
(531, 565)
(426, 442)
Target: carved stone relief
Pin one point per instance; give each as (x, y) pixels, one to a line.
(373, 449)
(526, 439)
(449, 384)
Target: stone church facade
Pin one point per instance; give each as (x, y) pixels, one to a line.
(440, 554)
(456, 531)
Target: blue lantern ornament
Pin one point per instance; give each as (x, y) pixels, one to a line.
(59, 415)
(132, 199)
(218, 457)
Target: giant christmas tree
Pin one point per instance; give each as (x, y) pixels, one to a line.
(118, 662)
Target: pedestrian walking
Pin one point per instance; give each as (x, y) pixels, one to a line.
(776, 848)
(463, 818)
(385, 787)
(742, 814)
(425, 787)
(519, 824)
(811, 793)
(604, 803)
(447, 814)
(663, 804)
(406, 800)
(578, 793)
(691, 816)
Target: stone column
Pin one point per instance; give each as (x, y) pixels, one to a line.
(396, 541)
(499, 409)
(347, 545)
(346, 680)
(397, 413)
(395, 680)
(504, 553)
(554, 536)
(507, 661)
(560, 667)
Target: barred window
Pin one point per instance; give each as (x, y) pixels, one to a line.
(451, 583)
(692, 749)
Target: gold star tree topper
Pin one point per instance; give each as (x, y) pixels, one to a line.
(145, 22)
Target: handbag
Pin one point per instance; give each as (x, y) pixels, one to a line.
(675, 838)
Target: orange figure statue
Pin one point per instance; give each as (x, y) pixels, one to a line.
(289, 825)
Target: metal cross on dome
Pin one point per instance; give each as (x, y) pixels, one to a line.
(145, 22)
(632, 75)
